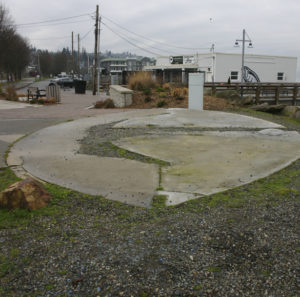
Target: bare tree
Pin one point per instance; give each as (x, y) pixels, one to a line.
(14, 49)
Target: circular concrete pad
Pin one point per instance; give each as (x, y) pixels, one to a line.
(200, 163)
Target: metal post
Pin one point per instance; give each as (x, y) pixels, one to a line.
(243, 56)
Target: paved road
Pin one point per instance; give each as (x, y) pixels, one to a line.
(18, 119)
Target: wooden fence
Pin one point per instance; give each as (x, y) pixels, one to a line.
(271, 93)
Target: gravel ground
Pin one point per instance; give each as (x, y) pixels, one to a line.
(88, 246)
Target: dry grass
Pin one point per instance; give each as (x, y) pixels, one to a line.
(179, 93)
(11, 94)
(108, 103)
(141, 80)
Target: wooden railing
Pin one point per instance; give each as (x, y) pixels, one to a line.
(272, 93)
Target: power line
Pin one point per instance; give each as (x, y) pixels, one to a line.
(54, 24)
(146, 45)
(52, 38)
(149, 39)
(122, 37)
(85, 35)
(53, 20)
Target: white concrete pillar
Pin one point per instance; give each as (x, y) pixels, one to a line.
(196, 86)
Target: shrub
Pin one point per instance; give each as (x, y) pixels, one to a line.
(162, 95)
(166, 86)
(160, 89)
(161, 103)
(228, 94)
(141, 80)
(107, 103)
(147, 92)
(2, 93)
(148, 99)
(179, 93)
(11, 94)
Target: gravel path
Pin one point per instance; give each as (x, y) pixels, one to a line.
(88, 246)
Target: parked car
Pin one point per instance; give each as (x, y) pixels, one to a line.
(64, 81)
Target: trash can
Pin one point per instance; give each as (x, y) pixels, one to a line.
(80, 86)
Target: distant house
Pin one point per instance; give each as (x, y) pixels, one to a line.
(222, 67)
(116, 66)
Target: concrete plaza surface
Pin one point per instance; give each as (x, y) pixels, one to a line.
(203, 161)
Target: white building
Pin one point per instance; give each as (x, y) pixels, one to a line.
(219, 67)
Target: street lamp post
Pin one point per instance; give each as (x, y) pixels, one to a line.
(244, 40)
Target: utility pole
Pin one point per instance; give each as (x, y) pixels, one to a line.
(78, 55)
(73, 54)
(96, 51)
(99, 69)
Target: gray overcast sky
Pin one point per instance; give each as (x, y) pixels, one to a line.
(271, 24)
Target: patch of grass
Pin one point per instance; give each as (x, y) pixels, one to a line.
(49, 287)
(7, 177)
(6, 266)
(198, 287)
(265, 273)
(62, 271)
(123, 153)
(160, 89)
(159, 201)
(160, 188)
(214, 269)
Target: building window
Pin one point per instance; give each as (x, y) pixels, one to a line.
(234, 75)
(280, 75)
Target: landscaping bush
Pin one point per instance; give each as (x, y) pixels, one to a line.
(161, 103)
(108, 103)
(11, 94)
(160, 89)
(148, 99)
(2, 93)
(228, 94)
(147, 92)
(162, 95)
(141, 80)
(179, 93)
(166, 86)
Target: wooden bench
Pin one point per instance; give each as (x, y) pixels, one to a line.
(35, 93)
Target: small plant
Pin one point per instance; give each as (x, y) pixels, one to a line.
(161, 103)
(148, 99)
(166, 87)
(160, 89)
(108, 103)
(162, 95)
(214, 269)
(147, 92)
(11, 94)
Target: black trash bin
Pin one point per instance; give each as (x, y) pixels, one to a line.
(80, 86)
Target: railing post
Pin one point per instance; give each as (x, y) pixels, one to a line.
(257, 94)
(295, 95)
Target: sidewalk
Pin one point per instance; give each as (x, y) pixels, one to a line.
(24, 83)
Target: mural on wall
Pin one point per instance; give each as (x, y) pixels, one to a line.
(250, 75)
